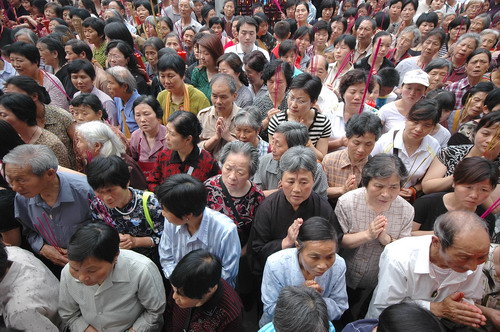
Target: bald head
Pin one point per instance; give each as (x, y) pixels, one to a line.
(318, 66)
(454, 223)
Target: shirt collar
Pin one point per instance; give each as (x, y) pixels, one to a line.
(422, 263)
(65, 193)
(192, 158)
(201, 234)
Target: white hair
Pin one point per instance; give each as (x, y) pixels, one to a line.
(98, 132)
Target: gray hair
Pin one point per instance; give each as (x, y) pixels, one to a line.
(115, 13)
(150, 20)
(416, 34)
(296, 134)
(472, 35)
(438, 63)
(244, 148)
(25, 31)
(123, 76)
(296, 159)
(383, 166)
(99, 132)
(227, 79)
(485, 18)
(39, 157)
(448, 225)
(300, 308)
(488, 31)
(249, 117)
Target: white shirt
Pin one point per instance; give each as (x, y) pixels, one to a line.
(418, 162)
(238, 50)
(442, 135)
(406, 275)
(390, 117)
(327, 102)
(178, 27)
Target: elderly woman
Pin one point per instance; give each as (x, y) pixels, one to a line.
(408, 38)
(181, 154)
(279, 217)
(489, 39)
(20, 111)
(123, 89)
(232, 193)
(371, 217)
(456, 27)
(149, 139)
(247, 126)
(464, 46)
(312, 262)
(96, 263)
(95, 139)
(474, 179)
(304, 92)
(288, 134)
(438, 70)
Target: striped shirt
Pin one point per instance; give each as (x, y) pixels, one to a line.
(217, 234)
(320, 128)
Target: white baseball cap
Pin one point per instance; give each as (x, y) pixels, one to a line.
(417, 76)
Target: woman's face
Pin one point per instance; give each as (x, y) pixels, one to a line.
(297, 186)
(52, 25)
(316, 257)
(206, 59)
(228, 9)
(299, 102)
(425, 27)
(91, 35)
(163, 29)
(7, 115)
(326, 14)
(381, 192)
(117, 58)
(48, 57)
(471, 195)
(353, 95)
(431, 46)
(488, 41)
(362, 12)
(407, 13)
(415, 131)
(188, 39)
(49, 13)
(217, 28)
(84, 149)
(82, 81)
(446, 21)
(276, 84)
(142, 13)
(457, 32)
(151, 55)
(437, 4)
(113, 196)
(474, 9)
(412, 92)
(405, 41)
(85, 113)
(234, 29)
(463, 49)
(22, 65)
(437, 77)
(484, 138)
(226, 69)
(279, 145)
(171, 80)
(320, 37)
(27, 5)
(476, 104)
(236, 171)
(290, 12)
(173, 43)
(385, 46)
(247, 134)
(146, 119)
(478, 65)
(337, 28)
(115, 89)
(301, 13)
(254, 77)
(340, 51)
(174, 140)
(303, 43)
(395, 11)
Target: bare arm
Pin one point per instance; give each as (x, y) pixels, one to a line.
(434, 180)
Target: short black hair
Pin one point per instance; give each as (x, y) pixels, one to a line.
(478, 51)
(309, 84)
(316, 229)
(272, 66)
(354, 76)
(282, 29)
(95, 23)
(186, 124)
(172, 62)
(29, 51)
(79, 12)
(287, 46)
(247, 20)
(196, 273)
(255, 60)
(108, 171)
(91, 101)
(323, 25)
(348, 40)
(98, 240)
(480, 87)
(182, 194)
(31, 87)
(360, 124)
(492, 99)
(79, 46)
(119, 31)
(216, 20)
(302, 31)
(425, 109)
(389, 77)
(457, 21)
(341, 19)
(436, 32)
(429, 17)
(151, 102)
(21, 105)
(79, 64)
(445, 98)
(145, 4)
(408, 2)
(382, 20)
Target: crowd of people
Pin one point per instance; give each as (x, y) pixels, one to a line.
(173, 166)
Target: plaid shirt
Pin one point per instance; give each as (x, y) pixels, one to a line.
(338, 168)
(459, 89)
(200, 164)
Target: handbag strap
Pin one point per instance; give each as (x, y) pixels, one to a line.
(145, 197)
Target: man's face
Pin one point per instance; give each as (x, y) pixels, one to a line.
(184, 8)
(222, 98)
(247, 36)
(92, 271)
(24, 182)
(469, 250)
(359, 147)
(318, 67)
(365, 31)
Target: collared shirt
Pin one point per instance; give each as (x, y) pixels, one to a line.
(199, 163)
(355, 216)
(139, 146)
(24, 304)
(267, 177)
(132, 296)
(208, 119)
(327, 102)
(262, 147)
(262, 92)
(360, 55)
(418, 162)
(217, 234)
(7, 72)
(129, 113)
(70, 212)
(283, 269)
(338, 167)
(108, 104)
(178, 27)
(406, 274)
(238, 50)
(459, 89)
(391, 117)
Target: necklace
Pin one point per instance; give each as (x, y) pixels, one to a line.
(32, 135)
(131, 210)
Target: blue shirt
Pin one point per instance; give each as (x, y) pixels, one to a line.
(217, 234)
(282, 269)
(270, 328)
(129, 113)
(70, 212)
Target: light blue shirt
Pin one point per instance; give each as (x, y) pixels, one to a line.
(217, 234)
(129, 112)
(7, 72)
(282, 269)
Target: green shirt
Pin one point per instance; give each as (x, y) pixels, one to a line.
(197, 101)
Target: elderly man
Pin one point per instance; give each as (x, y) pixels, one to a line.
(327, 100)
(441, 272)
(186, 19)
(365, 29)
(247, 34)
(51, 205)
(122, 88)
(217, 121)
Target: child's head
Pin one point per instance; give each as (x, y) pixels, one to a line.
(288, 52)
(389, 80)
